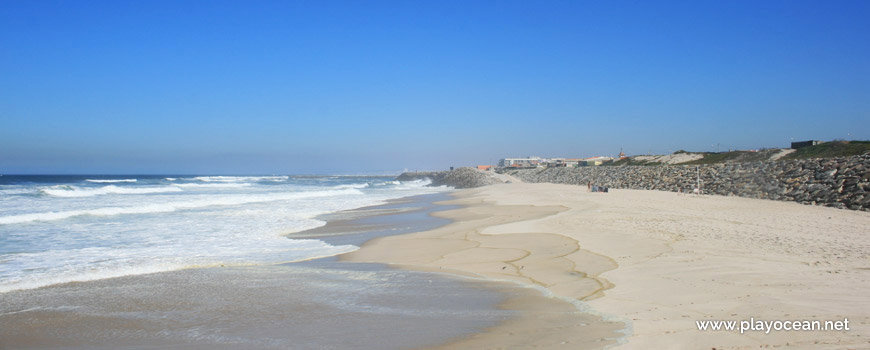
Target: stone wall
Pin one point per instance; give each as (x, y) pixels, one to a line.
(834, 182)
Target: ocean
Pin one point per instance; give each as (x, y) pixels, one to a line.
(232, 262)
(224, 262)
(58, 229)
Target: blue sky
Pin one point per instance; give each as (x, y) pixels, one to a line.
(373, 86)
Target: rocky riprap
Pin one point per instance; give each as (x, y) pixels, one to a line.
(834, 182)
(458, 178)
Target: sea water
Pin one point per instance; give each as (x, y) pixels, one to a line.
(58, 229)
(233, 270)
(229, 262)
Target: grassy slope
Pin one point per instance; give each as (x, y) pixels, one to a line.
(826, 150)
(733, 156)
(831, 149)
(631, 161)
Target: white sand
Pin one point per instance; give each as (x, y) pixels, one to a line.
(671, 158)
(659, 260)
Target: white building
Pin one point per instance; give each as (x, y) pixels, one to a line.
(527, 162)
(598, 160)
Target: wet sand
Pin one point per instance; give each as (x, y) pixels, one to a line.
(539, 318)
(650, 264)
(543, 261)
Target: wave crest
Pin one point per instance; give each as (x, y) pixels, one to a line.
(169, 207)
(73, 191)
(357, 186)
(241, 178)
(216, 185)
(111, 181)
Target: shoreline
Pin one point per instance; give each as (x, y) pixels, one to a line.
(629, 269)
(556, 316)
(320, 303)
(528, 304)
(660, 260)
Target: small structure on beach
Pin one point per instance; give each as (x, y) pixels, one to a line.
(484, 167)
(573, 162)
(595, 161)
(801, 144)
(556, 163)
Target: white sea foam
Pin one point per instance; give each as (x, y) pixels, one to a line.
(171, 179)
(74, 191)
(9, 190)
(169, 207)
(386, 184)
(123, 229)
(96, 263)
(111, 181)
(413, 184)
(216, 185)
(240, 178)
(352, 186)
(60, 215)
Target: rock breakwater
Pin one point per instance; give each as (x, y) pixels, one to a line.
(459, 178)
(834, 182)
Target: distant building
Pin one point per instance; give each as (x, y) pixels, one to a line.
(551, 162)
(595, 161)
(537, 162)
(484, 167)
(556, 163)
(801, 144)
(573, 162)
(528, 162)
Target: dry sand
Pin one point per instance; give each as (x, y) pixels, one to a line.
(659, 261)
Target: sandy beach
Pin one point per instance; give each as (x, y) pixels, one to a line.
(645, 266)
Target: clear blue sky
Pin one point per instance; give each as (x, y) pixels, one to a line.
(371, 86)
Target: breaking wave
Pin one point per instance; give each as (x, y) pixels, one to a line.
(169, 207)
(73, 191)
(240, 178)
(352, 186)
(215, 185)
(110, 181)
